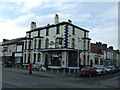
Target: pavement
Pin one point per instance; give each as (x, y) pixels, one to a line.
(110, 83)
(47, 73)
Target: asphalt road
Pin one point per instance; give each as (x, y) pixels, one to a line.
(15, 80)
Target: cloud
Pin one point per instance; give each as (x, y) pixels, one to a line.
(97, 17)
(10, 31)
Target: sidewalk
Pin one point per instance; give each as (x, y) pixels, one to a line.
(48, 73)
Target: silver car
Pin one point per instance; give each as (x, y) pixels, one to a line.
(101, 70)
(110, 69)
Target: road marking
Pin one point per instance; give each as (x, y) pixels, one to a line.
(12, 83)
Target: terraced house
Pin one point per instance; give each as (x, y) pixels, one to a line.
(59, 45)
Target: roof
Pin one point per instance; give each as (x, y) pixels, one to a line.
(13, 41)
(53, 25)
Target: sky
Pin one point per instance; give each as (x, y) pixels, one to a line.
(99, 17)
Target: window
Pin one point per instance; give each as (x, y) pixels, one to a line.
(28, 58)
(84, 45)
(35, 43)
(58, 30)
(34, 58)
(96, 61)
(47, 43)
(73, 30)
(84, 34)
(38, 58)
(57, 43)
(73, 43)
(25, 44)
(84, 59)
(88, 45)
(60, 41)
(39, 44)
(29, 45)
(38, 33)
(29, 35)
(47, 32)
(88, 59)
(24, 58)
(101, 61)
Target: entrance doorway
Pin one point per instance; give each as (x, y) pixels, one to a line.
(46, 60)
(91, 63)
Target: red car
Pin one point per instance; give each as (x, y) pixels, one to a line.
(88, 72)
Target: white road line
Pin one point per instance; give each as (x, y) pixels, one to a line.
(12, 83)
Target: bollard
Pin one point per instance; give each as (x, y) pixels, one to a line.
(64, 71)
(69, 71)
(30, 68)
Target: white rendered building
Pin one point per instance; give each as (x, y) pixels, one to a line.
(60, 45)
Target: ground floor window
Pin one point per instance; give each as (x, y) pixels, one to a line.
(96, 61)
(34, 58)
(101, 61)
(73, 58)
(55, 59)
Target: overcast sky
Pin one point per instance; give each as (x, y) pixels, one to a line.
(100, 18)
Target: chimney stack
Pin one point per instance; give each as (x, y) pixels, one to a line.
(104, 45)
(33, 26)
(56, 20)
(99, 44)
(111, 47)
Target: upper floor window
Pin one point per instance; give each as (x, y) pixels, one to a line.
(58, 42)
(29, 35)
(35, 43)
(47, 43)
(38, 32)
(84, 45)
(88, 45)
(58, 29)
(39, 44)
(84, 34)
(73, 30)
(38, 59)
(29, 45)
(47, 32)
(73, 43)
(26, 44)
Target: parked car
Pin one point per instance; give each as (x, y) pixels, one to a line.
(101, 70)
(116, 68)
(8, 64)
(110, 69)
(88, 72)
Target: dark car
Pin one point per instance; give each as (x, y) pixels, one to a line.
(88, 72)
(8, 64)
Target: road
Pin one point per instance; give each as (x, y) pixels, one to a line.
(16, 80)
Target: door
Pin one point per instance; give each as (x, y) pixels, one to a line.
(46, 60)
(91, 63)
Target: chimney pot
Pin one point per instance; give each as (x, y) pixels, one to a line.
(33, 25)
(56, 19)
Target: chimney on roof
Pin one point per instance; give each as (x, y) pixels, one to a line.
(5, 40)
(33, 25)
(56, 19)
(111, 47)
(69, 21)
(117, 51)
(99, 44)
(104, 45)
